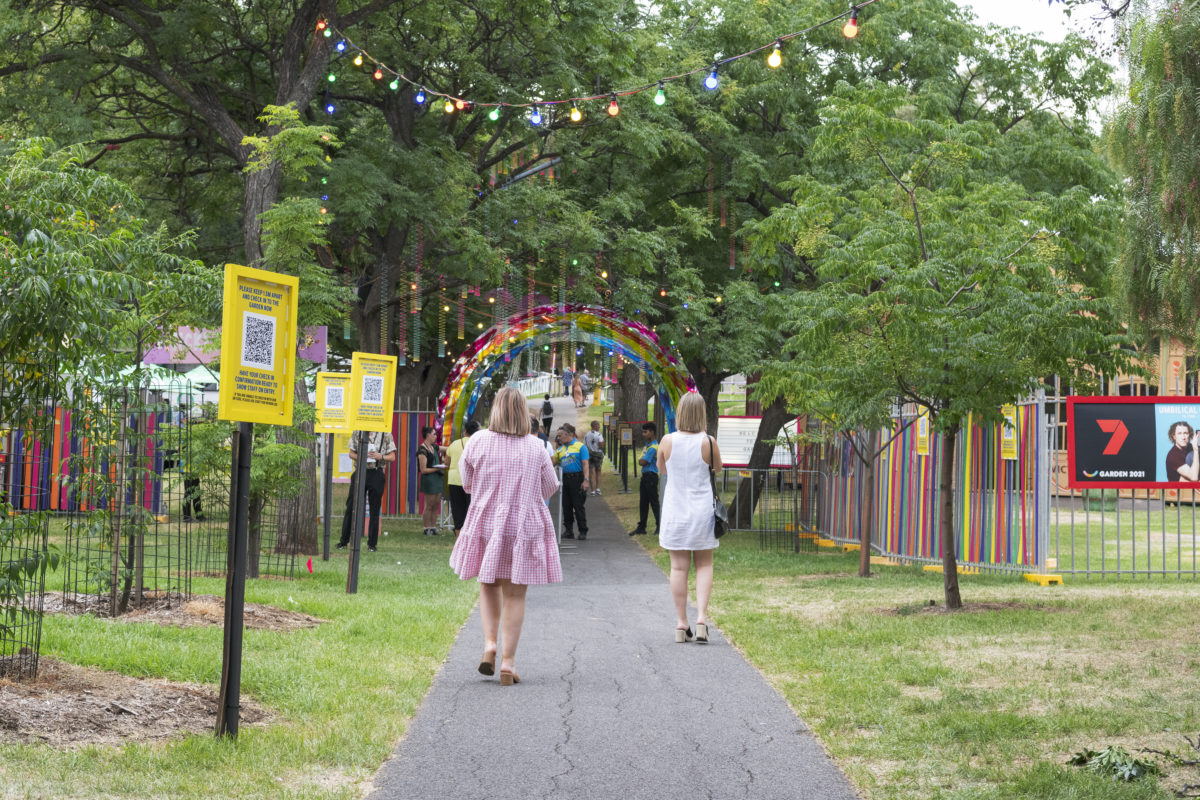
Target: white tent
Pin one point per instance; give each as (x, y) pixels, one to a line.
(204, 382)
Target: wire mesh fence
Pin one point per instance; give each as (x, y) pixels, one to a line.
(25, 551)
(780, 504)
(116, 453)
(23, 563)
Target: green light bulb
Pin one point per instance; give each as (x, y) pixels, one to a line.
(494, 114)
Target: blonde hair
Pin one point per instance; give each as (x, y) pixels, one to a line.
(509, 413)
(691, 415)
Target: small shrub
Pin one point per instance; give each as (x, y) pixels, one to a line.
(1115, 762)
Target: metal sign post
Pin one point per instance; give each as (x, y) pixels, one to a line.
(258, 368)
(235, 582)
(328, 493)
(360, 507)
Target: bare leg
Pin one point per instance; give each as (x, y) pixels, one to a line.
(490, 606)
(680, 562)
(596, 473)
(433, 506)
(511, 620)
(704, 582)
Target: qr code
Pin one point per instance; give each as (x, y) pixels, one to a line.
(372, 392)
(333, 396)
(258, 341)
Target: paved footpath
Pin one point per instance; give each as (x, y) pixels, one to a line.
(609, 706)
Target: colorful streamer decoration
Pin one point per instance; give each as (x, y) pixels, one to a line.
(633, 341)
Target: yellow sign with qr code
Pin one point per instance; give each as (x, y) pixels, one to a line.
(258, 346)
(332, 406)
(372, 392)
(1008, 432)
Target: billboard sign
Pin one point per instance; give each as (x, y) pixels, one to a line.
(1133, 442)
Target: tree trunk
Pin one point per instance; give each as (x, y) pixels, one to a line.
(298, 514)
(633, 396)
(708, 385)
(424, 380)
(259, 192)
(867, 522)
(773, 418)
(946, 518)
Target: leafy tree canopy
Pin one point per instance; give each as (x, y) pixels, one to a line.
(1155, 139)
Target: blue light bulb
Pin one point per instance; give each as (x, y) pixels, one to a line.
(711, 82)
(341, 47)
(536, 117)
(420, 95)
(330, 108)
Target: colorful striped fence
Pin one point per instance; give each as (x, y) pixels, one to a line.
(402, 497)
(1001, 509)
(47, 471)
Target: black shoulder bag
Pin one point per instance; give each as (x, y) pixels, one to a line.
(720, 515)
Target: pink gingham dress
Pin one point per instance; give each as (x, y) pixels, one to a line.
(508, 532)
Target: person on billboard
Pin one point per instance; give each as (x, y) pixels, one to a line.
(1183, 459)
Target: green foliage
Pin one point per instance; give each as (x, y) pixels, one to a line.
(23, 544)
(85, 281)
(1155, 139)
(1114, 762)
(940, 280)
(296, 148)
(273, 468)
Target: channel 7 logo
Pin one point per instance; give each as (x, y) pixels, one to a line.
(1119, 433)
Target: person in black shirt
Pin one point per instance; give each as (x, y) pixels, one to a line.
(1183, 459)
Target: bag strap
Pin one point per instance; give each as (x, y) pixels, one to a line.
(712, 474)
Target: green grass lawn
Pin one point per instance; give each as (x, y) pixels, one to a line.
(984, 705)
(342, 693)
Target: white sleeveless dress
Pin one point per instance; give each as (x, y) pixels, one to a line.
(687, 505)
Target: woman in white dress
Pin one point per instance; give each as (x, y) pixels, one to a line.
(684, 459)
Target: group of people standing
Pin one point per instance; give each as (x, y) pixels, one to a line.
(577, 385)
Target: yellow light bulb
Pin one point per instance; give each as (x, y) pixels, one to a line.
(604, 274)
(775, 59)
(358, 60)
(850, 29)
(575, 114)
(449, 107)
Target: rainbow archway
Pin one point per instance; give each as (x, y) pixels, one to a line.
(552, 324)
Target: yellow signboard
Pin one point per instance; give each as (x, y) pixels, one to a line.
(923, 434)
(258, 346)
(372, 391)
(1008, 433)
(342, 465)
(331, 402)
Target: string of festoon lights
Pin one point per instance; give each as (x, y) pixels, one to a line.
(452, 104)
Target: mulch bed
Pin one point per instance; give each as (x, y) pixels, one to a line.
(68, 706)
(172, 609)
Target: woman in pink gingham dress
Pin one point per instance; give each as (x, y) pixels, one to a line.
(508, 540)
